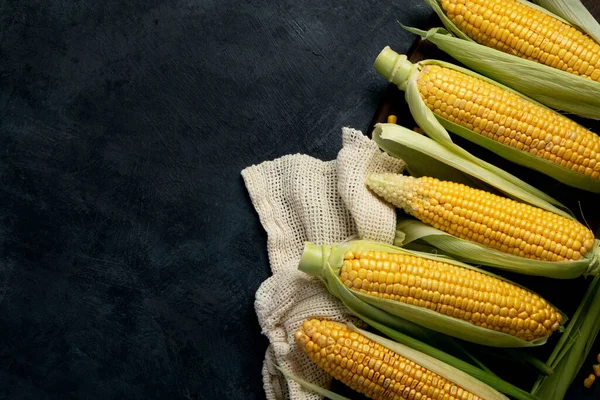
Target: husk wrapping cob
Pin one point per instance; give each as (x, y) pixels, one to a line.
(426, 157)
(442, 97)
(435, 292)
(548, 84)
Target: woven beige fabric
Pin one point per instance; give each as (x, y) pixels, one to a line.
(299, 198)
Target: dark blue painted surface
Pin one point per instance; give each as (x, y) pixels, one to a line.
(130, 252)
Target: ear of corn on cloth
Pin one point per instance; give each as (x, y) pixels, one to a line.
(299, 198)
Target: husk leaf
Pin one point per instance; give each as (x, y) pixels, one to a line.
(311, 386)
(438, 367)
(468, 251)
(573, 348)
(575, 12)
(553, 87)
(403, 143)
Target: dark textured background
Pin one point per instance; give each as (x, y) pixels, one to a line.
(129, 250)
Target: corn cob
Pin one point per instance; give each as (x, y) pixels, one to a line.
(516, 28)
(469, 295)
(371, 368)
(510, 119)
(490, 220)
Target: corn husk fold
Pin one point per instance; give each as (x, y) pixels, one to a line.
(438, 367)
(447, 161)
(575, 12)
(573, 347)
(311, 386)
(437, 127)
(550, 86)
(326, 261)
(410, 231)
(426, 157)
(465, 381)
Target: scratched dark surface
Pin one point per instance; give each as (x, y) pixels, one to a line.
(129, 250)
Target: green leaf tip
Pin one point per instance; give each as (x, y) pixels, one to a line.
(310, 386)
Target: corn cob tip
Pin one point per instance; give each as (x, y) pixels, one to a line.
(393, 66)
(392, 188)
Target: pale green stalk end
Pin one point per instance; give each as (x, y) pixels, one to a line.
(394, 67)
(312, 260)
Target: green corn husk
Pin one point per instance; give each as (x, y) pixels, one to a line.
(553, 87)
(325, 262)
(426, 157)
(311, 386)
(574, 12)
(410, 231)
(398, 70)
(405, 332)
(438, 367)
(573, 347)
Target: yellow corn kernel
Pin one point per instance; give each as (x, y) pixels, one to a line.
(485, 218)
(589, 381)
(597, 369)
(392, 119)
(452, 290)
(370, 368)
(510, 119)
(515, 28)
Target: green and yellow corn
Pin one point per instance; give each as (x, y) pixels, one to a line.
(518, 29)
(510, 119)
(462, 293)
(485, 218)
(370, 368)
